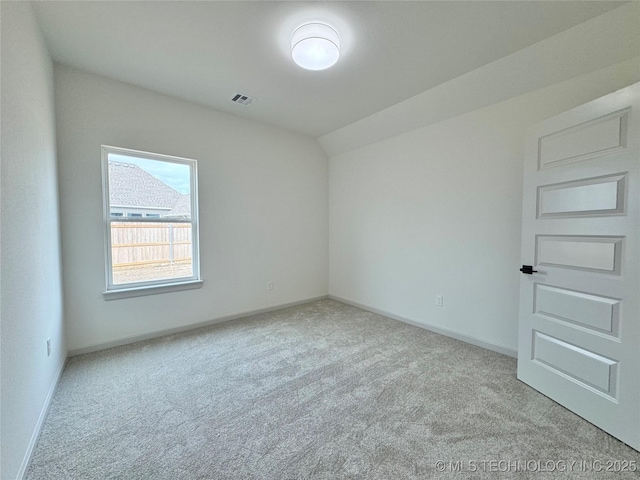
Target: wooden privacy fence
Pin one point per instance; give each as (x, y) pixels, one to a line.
(148, 243)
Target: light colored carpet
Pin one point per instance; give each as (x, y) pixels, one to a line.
(322, 391)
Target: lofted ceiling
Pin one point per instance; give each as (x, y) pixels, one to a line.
(206, 51)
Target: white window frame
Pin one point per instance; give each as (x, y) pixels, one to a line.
(154, 286)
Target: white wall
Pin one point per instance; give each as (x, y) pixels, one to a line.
(263, 207)
(436, 211)
(31, 293)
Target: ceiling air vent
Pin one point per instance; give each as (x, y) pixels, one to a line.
(241, 99)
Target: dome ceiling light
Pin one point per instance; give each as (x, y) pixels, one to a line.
(315, 46)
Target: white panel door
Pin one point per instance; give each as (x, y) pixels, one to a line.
(579, 332)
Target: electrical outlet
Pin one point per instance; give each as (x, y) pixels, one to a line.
(48, 347)
(439, 300)
(269, 285)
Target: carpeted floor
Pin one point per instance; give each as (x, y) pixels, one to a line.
(322, 391)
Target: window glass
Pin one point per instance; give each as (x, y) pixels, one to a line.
(150, 227)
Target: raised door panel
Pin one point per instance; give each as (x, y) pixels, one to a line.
(600, 136)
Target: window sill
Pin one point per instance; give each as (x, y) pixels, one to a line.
(151, 290)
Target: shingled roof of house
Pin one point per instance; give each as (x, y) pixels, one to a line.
(182, 208)
(131, 186)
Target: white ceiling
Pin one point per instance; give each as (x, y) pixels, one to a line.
(206, 51)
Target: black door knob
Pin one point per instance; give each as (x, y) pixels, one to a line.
(528, 269)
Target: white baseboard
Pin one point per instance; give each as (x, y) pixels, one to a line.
(170, 331)
(26, 461)
(442, 331)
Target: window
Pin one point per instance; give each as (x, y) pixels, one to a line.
(151, 223)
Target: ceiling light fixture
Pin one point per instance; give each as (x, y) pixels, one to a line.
(315, 46)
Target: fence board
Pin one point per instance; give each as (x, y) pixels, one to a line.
(149, 243)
